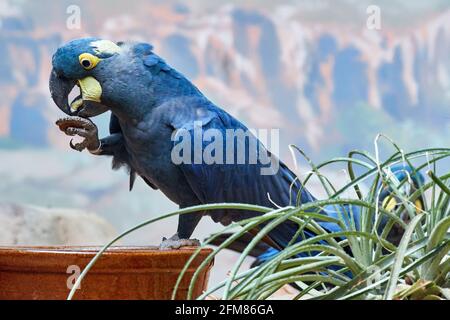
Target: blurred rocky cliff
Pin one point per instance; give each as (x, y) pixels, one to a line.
(330, 84)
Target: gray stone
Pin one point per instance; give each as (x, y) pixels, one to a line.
(38, 226)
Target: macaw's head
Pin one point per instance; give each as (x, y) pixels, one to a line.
(85, 63)
(410, 181)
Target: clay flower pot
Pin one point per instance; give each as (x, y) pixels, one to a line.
(121, 273)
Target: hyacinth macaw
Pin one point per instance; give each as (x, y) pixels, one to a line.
(387, 200)
(150, 103)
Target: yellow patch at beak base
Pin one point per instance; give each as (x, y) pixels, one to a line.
(91, 90)
(389, 204)
(76, 105)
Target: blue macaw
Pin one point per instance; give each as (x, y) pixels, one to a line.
(152, 105)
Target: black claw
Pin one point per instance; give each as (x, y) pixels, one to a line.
(76, 147)
(71, 145)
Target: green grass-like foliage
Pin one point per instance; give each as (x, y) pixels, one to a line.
(418, 268)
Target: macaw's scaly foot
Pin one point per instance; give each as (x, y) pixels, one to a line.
(176, 243)
(82, 127)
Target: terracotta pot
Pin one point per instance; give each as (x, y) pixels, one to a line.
(121, 273)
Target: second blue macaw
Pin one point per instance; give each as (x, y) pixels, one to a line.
(408, 177)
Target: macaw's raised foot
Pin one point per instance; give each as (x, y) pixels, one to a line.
(175, 242)
(82, 127)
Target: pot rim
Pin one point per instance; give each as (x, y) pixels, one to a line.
(92, 250)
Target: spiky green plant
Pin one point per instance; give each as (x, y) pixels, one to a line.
(356, 263)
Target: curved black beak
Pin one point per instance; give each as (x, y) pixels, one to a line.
(60, 88)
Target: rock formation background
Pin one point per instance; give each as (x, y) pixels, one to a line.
(311, 68)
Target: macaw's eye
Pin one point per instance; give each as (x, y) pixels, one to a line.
(88, 61)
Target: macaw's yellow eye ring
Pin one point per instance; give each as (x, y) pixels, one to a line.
(88, 61)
